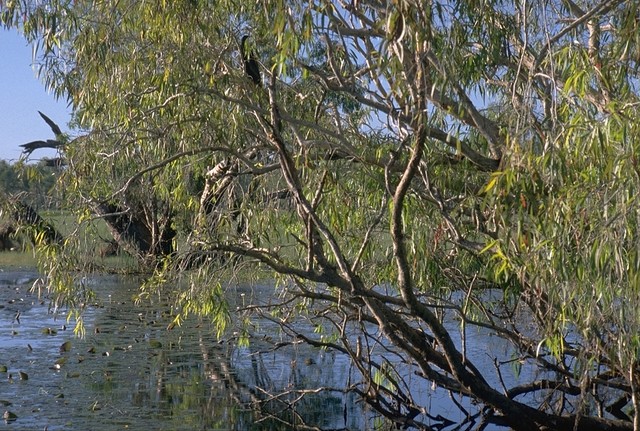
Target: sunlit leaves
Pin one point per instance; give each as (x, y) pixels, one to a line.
(527, 182)
(579, 239)
(205, 300)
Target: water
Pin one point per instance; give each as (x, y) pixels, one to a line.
(130, 372)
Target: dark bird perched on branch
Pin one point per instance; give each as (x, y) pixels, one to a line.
(251, 67)
(56, 162)
(29, 147)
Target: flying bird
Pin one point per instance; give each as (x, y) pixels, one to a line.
(251, 67)
(30, 147)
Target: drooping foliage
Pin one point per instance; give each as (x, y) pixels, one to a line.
(398, 165)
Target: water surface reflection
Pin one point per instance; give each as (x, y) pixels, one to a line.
(130, 372)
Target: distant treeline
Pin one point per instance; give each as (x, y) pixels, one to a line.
(34, 181)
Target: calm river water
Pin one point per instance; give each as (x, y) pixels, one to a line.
(130, 372)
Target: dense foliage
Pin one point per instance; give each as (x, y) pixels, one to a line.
(398, 164)
(35, 182)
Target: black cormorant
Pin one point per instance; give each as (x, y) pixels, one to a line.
(29, 147)
(251, 67)
(54, 127)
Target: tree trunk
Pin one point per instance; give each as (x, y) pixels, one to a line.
(134, 235)
(25, 215)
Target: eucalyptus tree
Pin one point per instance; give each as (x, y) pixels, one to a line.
(397, 166)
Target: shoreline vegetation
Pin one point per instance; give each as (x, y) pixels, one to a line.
(11, 260)
(100, 253)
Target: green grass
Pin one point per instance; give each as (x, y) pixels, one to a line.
(93, 237)
(17, 260)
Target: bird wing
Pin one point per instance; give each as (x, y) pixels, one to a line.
(34, 144)
(54, 127)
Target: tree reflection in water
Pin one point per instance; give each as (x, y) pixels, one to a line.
(130, 371)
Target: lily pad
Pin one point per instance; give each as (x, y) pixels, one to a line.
(155, 344)
(65, 347)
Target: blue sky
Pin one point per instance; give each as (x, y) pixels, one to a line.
(22, 95)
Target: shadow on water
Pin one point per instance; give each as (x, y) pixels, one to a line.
(131, 372)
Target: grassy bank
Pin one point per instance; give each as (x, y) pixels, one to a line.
(93, 240)
(16, 260)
